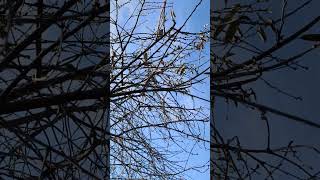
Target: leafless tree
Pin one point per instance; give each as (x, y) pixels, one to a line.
(151, 76)
(249, 41)
(79, 102)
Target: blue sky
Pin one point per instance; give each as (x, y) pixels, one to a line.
(196, 23)
(182, 9)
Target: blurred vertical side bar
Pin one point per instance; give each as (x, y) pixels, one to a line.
(2, 28)
(214, 151)
(108, 90)
(212, 171)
